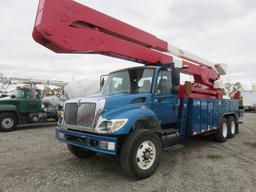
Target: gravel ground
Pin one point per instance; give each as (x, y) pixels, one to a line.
(32, 160)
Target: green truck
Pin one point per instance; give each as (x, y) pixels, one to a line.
(23, 105)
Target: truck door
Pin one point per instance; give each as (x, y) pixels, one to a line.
(33, 101)
(165, 103)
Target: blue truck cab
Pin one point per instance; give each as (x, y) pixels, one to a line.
(138, 113)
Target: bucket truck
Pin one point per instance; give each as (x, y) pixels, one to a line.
(140, 110)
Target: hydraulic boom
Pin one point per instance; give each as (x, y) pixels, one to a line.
(65, 26)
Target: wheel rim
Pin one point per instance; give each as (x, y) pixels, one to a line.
(224, 130)
(146, 155)
(7, 123)
(233, 127)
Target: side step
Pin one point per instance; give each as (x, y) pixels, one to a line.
(170, 137)
(169, 131)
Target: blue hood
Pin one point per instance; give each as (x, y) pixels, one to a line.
(113, 101)
(121, 100)
(116, 104)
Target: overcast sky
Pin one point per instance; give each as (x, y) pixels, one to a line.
(220, 31)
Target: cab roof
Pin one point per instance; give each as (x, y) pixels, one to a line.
(140, 67)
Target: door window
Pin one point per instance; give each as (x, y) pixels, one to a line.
(164, 82)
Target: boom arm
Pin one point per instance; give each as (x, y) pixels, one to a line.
(65, 26)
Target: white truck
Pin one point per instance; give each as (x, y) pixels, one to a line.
(249, 100)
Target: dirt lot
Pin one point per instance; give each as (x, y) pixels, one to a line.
(32, 160)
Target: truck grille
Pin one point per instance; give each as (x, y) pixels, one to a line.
(86, 114)
(71, 113)
(82, 115)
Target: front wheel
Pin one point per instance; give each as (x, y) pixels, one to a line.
(140, 154)
(80, 152)
(8, 122)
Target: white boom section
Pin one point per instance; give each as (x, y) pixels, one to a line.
(42, 82)
(180, 53)
(38, 82)
(15, 80)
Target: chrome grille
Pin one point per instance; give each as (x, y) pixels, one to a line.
(86, 114)
(71, 113)
(82, 115)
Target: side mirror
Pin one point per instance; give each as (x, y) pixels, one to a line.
(102, 80)
(175, 77)
(13, 96)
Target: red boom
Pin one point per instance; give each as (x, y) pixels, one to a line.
(65, 26)
(69, 27)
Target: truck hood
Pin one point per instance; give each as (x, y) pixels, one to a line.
(6, 101)
(7, 104)
(114, 101)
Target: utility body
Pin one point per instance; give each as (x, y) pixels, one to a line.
(140, 110)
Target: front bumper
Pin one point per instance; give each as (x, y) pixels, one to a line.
(93, 142)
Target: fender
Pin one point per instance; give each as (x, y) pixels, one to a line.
(133, 115)
(230, 113)
(227, 114)
(10, 108)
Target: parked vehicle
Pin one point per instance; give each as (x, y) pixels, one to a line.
(140, 110)
(135, 122)
(23, 105)
(249, 100)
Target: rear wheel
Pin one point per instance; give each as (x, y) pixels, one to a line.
(8, 122)
(222, 133)
(80, 152)
(140, 154)
(231, 126)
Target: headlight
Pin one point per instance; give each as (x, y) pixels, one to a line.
(105, 125)
(110, 126)
(118, 124)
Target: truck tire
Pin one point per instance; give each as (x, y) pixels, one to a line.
(140, 154)
(80, 152)
(222, 133)
(231, 126)
(8, 122)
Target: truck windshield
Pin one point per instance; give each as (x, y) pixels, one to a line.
(129, 81)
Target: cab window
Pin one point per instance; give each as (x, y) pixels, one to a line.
(164, 83)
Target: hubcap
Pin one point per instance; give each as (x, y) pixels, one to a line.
(7, 123)
(233, 127)
(146, 155)
(224, 130)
